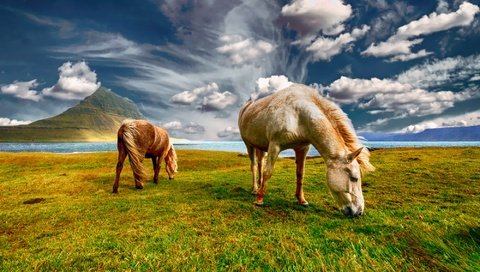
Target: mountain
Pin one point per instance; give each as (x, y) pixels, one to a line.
(471, 133)
(96, 118)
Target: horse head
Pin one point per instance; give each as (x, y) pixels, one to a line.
(345, 184)
(171, 161)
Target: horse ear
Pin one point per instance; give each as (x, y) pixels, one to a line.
(354, 154)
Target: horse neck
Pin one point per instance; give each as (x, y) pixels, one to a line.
(329, 143)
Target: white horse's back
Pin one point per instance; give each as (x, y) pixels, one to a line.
(284, 116)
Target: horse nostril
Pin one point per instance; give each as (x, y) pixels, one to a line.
(347, 211)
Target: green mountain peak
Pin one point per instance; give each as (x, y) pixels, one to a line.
(95, 118)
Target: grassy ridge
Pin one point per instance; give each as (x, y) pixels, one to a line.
(422, 213)
(96, 118)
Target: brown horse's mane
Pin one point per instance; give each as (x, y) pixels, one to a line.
(344, 128)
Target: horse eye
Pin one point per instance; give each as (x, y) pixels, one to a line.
(353, 179)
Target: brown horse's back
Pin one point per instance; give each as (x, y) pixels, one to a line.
(138, 139)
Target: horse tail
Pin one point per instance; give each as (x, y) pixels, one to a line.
(135, 157)
(171, 160)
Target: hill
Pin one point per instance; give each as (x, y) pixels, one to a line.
(471, 133)
(96, 118)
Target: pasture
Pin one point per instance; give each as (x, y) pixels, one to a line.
(422, 212)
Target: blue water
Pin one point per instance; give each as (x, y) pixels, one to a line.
(231, 146)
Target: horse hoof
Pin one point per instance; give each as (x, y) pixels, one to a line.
(170, 178)
(254, 193)
(139, 187)
(305, 205)
(115, 192)
(258, 204)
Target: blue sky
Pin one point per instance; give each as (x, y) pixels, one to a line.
(190, 65)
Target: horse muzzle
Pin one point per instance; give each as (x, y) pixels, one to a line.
(348, 211)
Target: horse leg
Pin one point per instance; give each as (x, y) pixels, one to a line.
(253, 168)
(273, 151)
(121, 158)
(156, 168)
(300, 156)
(260, 155)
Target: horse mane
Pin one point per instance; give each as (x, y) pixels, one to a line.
(171, 159)
(344, 128)
(129, 135)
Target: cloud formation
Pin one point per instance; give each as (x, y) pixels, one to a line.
(389, 96)
(229, 133)
(23, 90)
(206, 98)
(12, 122)
(76, 81)
(268, 85)
(241, 51)
(323, 48)
(438, 73)
(177, 128)
(467, 119)
(316, 16)
(399, 46)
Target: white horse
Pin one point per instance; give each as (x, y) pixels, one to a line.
(296, 117)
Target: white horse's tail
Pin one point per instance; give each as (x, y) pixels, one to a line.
(129, 135)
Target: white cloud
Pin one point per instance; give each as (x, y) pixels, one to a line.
(314, 16)
(399, 45)
(173, 125)
(435, 74)
(313, 19)
(388, 18)
(438, 22)
(390, 96)
(205, 98)
(229, 133)
(467, 119)
(177, 128)
(106, 45)
(269, 85)
(76, 81)
(390, 48)
(410, 56)
(241, 51)
(63, 26)
(23, 90)
(12, 122)
(442, 6)
(324, 48)
(193, 128)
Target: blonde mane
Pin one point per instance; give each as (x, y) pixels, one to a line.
(129, 135)
(344, 128)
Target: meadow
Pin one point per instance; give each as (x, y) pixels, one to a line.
(58, 213)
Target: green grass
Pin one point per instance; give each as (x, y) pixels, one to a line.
(422, 214)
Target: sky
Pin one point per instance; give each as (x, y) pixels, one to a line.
(189, 65)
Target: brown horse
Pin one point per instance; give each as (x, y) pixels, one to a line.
(139, 139)
(297, 117)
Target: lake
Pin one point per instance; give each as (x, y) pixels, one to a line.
(231, 146)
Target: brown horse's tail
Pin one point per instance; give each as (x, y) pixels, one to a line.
(171, 161)
(129, 135)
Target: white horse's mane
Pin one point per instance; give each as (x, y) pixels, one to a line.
(345, 131)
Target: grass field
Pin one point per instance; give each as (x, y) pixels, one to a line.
(58, 213)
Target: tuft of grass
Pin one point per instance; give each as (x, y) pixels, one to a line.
(422, 210)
